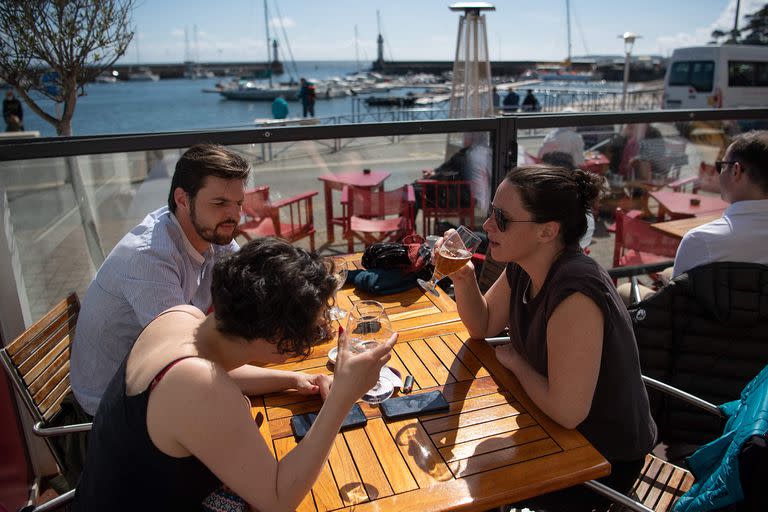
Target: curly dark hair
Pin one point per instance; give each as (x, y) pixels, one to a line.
(201, 161)
(751, 149)
(553, 193)
(274, 291)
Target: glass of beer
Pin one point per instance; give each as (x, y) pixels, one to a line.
(455, 251)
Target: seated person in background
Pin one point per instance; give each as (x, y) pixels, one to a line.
(530, 103)
(572, 346)
(173, 425)
(564, 140)
(455, 168)
(650, 163)
(741, 234)
(565, 160)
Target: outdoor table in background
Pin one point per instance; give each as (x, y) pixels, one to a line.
(678, 204)
(678, 228)
(492, 447)
(372, 180)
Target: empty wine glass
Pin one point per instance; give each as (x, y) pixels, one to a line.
(340, 274)
(456, 251)
(367, 326)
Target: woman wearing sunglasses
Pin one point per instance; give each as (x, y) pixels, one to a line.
(571, 341)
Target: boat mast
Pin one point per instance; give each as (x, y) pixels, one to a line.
(568, 24)
(357, 53)
(269, 59)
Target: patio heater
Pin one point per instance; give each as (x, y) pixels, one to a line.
(471, 92)
(629, 42)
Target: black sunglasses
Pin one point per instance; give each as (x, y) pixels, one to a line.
(500, 219)
(722, 164)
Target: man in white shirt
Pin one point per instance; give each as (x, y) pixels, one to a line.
(741, 234)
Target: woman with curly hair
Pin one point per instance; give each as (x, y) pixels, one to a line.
(571, 341)
(173, 426)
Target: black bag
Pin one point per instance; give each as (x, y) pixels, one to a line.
(412, 257)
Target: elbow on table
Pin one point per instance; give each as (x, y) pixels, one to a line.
(571, 418)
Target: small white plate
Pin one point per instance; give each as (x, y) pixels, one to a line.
(332, 354)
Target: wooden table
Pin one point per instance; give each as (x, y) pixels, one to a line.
(678, 204)
(372, 180)
(492, 447)
(678, 228)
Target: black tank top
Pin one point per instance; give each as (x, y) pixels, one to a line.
(124, 470)
(619, 423)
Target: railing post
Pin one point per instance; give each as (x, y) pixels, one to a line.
(86, 212)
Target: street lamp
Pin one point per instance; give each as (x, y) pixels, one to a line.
(629, 42)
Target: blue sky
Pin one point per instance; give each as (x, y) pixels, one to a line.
(233, 30)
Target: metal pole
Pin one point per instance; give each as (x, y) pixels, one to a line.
(626, 82)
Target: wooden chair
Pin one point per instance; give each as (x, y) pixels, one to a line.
(290, 219)
(376, 215)
(441, 199)
(37, 363)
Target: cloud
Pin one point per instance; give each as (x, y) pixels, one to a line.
(177, 32)
(285, 22)
(702, 35)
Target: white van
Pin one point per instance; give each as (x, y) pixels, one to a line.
(717, 77)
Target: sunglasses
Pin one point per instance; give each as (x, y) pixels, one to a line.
(722, 164)
(500, 219)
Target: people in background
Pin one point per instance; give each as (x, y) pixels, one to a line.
(496, 99)
(650, 162)
(511, 101)
(13, 114)
(173, 425)
(564, 140)
(307, 97)
(280, 108)
(741, 234)
(530, 103)
(571, 344)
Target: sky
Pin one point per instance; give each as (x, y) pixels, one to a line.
(234, 30)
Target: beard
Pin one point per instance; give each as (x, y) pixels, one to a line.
(218, 234)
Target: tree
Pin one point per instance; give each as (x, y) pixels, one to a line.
(757, 27)
(55, 47)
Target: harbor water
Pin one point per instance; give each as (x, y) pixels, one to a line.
(181, 104)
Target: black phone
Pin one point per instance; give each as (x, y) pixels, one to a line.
(300, 424)
(413, 405)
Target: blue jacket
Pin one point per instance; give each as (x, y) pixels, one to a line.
(716, 465)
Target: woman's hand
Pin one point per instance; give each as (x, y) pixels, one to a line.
(355, 374)
(507, 355)
(308, 384)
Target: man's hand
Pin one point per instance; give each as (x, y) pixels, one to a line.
(308, 384)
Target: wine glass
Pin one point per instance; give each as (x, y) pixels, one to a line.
(456, 251)
(340, 274)
(367, 326)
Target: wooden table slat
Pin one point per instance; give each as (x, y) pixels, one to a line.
(465, 355)
(281, 448)
(423, 459)
(374, 479)
(392, 461)
(449, 359)
(469, 418)
(414, 365)
(348, 480)
(487, 429)
(489, 444)
(435, 366)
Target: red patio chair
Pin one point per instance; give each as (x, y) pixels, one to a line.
(290, 219)
(377, 215)
(446, 199)
(639, 244)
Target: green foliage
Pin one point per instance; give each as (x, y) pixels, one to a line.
(755, 32)
(76, 39)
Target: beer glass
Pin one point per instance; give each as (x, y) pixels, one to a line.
(457, 249)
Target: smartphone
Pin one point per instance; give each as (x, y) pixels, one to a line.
(300, 424)
(413, 405)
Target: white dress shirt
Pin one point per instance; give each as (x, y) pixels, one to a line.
(740, 235)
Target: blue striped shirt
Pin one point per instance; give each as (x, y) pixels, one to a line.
(151, 269)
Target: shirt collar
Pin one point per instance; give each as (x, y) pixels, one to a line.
(747, 207)
(200, 258)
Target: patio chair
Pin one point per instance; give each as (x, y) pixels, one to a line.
(661, 484)
(377, 215)
(636, 243)
(37, 363)
(290, 219)
(441, 199)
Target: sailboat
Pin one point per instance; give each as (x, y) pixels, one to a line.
(253, 91)
(143, 73)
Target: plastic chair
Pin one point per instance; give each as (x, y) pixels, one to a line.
(637, 243)
(290, 219)
(37, 363)
(377, 215)
(446, 199)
